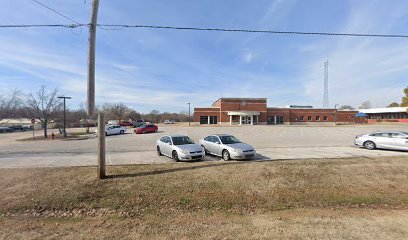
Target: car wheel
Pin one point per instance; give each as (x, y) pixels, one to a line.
(226, 155)
(369, 145)
(122, 132)
(159, 152)
(175, 156)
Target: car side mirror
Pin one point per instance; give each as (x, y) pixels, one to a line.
(217, 142)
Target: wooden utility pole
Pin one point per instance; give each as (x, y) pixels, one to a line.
(91, 58)
(91, 91)
(101, 146)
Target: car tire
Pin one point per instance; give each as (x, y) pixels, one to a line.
(369, 145)
(122, 132)
(225, 155)
(175, 156)
(158, 151)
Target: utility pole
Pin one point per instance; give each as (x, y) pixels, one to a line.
(326, 85)
(335, 114)
(91, 91)
(101, 146)
(91, 58)
(189, 119)
(64, 132)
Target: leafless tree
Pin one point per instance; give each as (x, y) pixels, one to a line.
(11, 106)
(44, 106)
(365, 105)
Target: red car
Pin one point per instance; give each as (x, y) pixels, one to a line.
(125, 124)
(146, 129)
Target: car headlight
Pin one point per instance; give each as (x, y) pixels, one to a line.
(184, 151)
(237, 150)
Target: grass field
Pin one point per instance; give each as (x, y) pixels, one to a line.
(338, 198)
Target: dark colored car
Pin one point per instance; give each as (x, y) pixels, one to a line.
(18, 128)
(6, 129)
(124, 124)
(146, 129)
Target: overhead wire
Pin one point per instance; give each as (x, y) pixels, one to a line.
(123, 26)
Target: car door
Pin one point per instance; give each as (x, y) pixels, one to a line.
(218, 146)
(211, 145)
(399, 141)
(167, 146)
(382, 140)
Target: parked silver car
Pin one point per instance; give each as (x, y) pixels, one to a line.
(388, 140)
(179, 147)
(227, 146)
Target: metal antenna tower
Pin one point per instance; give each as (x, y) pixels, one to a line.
(326, 85)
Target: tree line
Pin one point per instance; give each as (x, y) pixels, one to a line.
(45, 106)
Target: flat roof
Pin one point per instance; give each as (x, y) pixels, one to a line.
(384, 110)
(242, 99)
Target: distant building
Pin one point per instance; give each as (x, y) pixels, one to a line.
(253, 111)
(392, 114)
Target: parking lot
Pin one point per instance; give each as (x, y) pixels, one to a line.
(271, 142)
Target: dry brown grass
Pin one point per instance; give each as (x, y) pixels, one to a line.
(343, 198)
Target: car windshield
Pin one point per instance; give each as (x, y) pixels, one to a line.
(229, 139)
(182, 140)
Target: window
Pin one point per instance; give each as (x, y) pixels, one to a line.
(317, 118)
(213, 119)
(309, 118)
(324, 118)
(302, 118)
(203, 119)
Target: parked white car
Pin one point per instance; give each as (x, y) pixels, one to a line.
(227, 146)
(387, 140)
(113, 129)
(179, 147)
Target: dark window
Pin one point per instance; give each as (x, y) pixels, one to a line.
(208, 138)
(324, 118)
(229, 140)
(203, 119)
(182, 140)
(309, 118)
(213, 119)
(317, 118)
(302, 118)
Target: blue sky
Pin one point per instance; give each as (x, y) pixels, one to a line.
(165, 69)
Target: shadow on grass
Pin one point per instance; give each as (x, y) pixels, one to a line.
(258, 158)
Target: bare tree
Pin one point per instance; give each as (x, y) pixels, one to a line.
(11, 105)
(365, 105)
(115, 111)
(44, 106)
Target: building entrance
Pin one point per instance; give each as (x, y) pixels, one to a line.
(246, 120)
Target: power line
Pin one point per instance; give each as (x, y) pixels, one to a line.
(259, 31)
(43, 25)
(123, 26)
(55, 11)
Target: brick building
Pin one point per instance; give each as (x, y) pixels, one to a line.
(250, 111)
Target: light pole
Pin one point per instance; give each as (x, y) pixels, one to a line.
(64, 133)
(189, 114)
(335, 114)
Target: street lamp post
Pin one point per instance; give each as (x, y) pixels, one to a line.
(189, 119)
(64, 133)
(335, 114)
